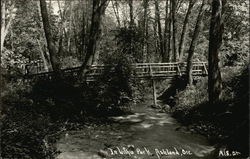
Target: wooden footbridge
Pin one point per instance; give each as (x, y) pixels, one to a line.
(140, 70)
(152, 71)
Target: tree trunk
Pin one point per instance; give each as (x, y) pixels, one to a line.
(195, 38)
(131, 13)
(156, 41)
(3, 19)
(170, 31)
(43, 56)
(83, 31)
(50, 43)
(145, 30)
(185, 29)
(116, 11)
(158, 19)
(165, 57)
(131, 26)
(175, 53)
(62, 16)
(5, 26)
(99, 7)
(215, 41)
(70, 29)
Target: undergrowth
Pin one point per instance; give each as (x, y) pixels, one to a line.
(34, 110)
(225, 123)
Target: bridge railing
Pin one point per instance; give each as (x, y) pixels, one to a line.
(141, 70)
(169, 69)
(34, 67)
(155, 69)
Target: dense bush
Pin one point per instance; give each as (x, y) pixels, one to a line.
(114, 88)
(186, 100)
(68, 99)
(23, 129)
(23, 136)
(59, 99)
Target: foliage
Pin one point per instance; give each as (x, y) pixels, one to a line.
(227, 121)
(12, 64)
(114, 88)
(25, 31)
(23, 136)
(52, 100)
(129, 40)
(236, 38)
(58, 99)
(11, 60)
(65, 99)
(236, 52)
(69, 62)
(191, 97)
(23, 130)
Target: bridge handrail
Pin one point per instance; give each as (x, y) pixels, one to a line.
(143, 68)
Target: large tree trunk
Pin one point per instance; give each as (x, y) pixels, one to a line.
(175, 53)
(50, 43)
(215, 40)
(158, 19)
(99, 7)
(185, 29)
(195, 38)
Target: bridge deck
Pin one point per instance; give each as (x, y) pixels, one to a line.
(141, 70)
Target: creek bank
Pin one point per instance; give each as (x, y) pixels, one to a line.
(225, 124)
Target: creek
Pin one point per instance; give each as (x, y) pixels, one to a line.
(145, 134)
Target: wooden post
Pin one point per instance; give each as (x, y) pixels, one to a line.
(154, 92)
(153, 84)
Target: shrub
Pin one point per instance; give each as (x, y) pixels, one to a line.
(188, 99)
(59, 99)
(23, 129)
(67, 99)
(69, 62)
(114, 88)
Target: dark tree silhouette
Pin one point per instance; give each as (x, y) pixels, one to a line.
(215, 40)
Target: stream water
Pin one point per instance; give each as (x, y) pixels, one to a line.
(145, 134)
